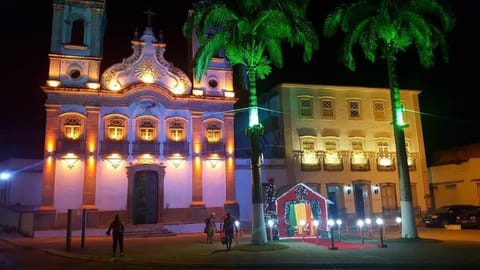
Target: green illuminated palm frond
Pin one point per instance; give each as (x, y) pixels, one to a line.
(381, 27)
(244, 28)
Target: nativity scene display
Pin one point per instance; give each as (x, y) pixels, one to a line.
(301, 212)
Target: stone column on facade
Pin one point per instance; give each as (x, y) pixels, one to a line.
(198, 205)
(230, 200)
(91, 149)
(45, 216)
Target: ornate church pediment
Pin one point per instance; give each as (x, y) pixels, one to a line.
(146, 65)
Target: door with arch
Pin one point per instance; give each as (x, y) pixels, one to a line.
(145, 197)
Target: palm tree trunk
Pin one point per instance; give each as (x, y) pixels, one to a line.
(409, 228)
(255, 130)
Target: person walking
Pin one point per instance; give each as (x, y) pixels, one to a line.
(210, 227)
(229, 228)
(116, 229)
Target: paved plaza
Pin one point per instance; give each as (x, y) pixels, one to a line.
(435, 249)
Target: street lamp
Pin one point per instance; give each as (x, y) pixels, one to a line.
(398, 220)
(339, 224)
(302, 224)
(360, 228)
(237, 225)
(270, 225)
(4, 177)
(330, 224)
(368, 221)
(379, 222)
(315, 224)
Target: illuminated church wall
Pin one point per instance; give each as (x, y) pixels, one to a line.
(178, 185)
(111, 187)
(68, 186)
(213, 185)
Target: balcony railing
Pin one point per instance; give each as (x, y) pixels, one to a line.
(310, 166)
(360, 166)
(386, 168)
(174, 147)
(71, 146)
(146, 147)
(108, 147)
(213, 148)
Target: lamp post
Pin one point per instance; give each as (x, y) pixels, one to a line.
(302, 224)
(315, 224)
(270, 225)
(360, 228)
(339, 224)
(4, 178)
(331, 223)
(369, 225)
(398, 220)
(237, 224)
(379, 222)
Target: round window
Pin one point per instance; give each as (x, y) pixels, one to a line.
(75, 73)
(212, 83)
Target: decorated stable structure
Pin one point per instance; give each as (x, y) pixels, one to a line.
(298, 209)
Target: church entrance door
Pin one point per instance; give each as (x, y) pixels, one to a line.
(145, 197)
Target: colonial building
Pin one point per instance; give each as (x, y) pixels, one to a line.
(140, 138)
(339, 141)
(454, 177)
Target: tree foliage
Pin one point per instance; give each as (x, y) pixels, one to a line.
(382, 27)
(250, 33)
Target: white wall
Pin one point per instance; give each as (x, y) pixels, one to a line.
(112, 185)
(68, 186)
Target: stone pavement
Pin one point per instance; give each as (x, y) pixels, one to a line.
(435, 249)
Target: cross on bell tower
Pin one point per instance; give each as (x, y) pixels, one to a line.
(149, 14)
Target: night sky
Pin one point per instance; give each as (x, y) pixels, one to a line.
(447, 101)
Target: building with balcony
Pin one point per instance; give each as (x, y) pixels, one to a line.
(339, 141)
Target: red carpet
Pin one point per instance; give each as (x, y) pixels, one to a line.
(328, 243)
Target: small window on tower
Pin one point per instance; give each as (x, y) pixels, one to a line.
(78, 28)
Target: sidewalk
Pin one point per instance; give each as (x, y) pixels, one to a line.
(436, 249)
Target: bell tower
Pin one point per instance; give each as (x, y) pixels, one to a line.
(76, 47)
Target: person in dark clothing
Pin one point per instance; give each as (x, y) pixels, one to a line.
(229, 228)
(210, 227)
(116, 228)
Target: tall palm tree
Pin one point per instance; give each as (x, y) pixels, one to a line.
(251, 33)
(386, 28)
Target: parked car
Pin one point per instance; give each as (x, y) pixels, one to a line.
(446, 215)
(470, 219)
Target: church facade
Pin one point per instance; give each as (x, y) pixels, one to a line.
(140, 139)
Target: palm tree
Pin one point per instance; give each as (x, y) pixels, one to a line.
(386, 28)
(251, 33)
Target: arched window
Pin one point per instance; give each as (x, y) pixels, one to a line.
(147, 130)
(213, 132)
(72, 127)
(176, 130)
(116, 129)
(77, 34)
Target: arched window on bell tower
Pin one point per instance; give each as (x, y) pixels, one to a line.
(77, 34)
